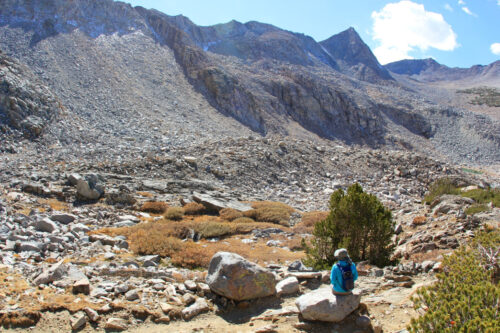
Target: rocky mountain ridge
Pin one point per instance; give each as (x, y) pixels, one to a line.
(268, 79)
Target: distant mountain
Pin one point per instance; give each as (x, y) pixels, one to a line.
(111, 63)
(429, 70)
(355, 57)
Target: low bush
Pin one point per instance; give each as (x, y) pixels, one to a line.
(174, 213)
(192, 256)
(194, 208)
(155, 207)
(476, 208)
(309, 219)
(440, 187)
(466, 295)
(269, 211)
(243, 220)
(484, 196)
(212, 229)
(419, 220)
(230, 214)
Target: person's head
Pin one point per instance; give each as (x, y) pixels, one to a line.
(341, 254)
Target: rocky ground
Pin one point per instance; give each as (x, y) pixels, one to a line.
(55, 259)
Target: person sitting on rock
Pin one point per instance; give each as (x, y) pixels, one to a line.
(343, 274)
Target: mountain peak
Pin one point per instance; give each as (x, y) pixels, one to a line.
(348, 48)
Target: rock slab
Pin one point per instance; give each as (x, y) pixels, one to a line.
(234, 277)
(323, 305)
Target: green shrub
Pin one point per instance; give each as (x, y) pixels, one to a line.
(466, 297)
(484, 196)
(174, 213)
(476, 208)
(440, 187)
(358, 222)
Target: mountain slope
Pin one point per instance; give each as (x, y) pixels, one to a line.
(124, 71)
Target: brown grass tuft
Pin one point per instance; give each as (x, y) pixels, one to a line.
(243, 220)
(419, 220)
(230, 214)
(194, 208)
(155, 207)
(174, 213)
(309, 219)
(270, 211)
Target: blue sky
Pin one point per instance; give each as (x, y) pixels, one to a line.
(457, 33)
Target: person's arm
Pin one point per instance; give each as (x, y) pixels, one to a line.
(332, 276)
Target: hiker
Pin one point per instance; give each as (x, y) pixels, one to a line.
(343, 274)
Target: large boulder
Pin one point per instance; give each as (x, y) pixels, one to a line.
(89, 188)
(217, 201)
(236, 278)
(322, 305)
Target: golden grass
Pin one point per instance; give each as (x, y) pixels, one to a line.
(309, 219)
(230, 214)
(194, 208)
(155, 207)
(174, 213)
(146, 194)
(55, 204)
(270, 211)
(419, 220)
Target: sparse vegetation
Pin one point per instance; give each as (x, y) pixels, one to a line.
(269, 211)
(483, 95)
(466, 297)
(230, 214)
(174, 213)
(358, 222)
(155, 207)
(482, 197)
(309, 220)
(194, 208)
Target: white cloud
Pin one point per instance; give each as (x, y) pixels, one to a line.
(449, 8)
(467, 11)
(405, 26)
(461, 2)
(495, 48)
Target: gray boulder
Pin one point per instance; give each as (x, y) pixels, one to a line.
(323, 305)
(63, 218)
(56, 272)
(217, 201)
(196, 308)
(90, 188)
(45, 224)
(290, 285)
(234, 277)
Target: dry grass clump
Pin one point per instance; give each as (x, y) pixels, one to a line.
(243, 220)
(192, 256)
(230, 214)
(309, 219)
(194, 208)
(419, 220)
(174, 213)
(270, 211)
(155, 207)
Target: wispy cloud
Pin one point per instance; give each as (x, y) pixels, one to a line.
(495, 48)
(449, 8)
(461, 2)
(403, 27)
(467, 11)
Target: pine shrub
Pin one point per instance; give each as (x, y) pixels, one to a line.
(466, 297)
(358, 222)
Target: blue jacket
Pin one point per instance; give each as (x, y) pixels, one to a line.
(336, 275)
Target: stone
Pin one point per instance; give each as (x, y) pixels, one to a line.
(54, 273)
(298, 266)
(287, 286)
(45, 225)
(119, 197)
(190, 285)
(74, 178)
(195, 309)
(218, 203)
(234, 277)
(78, 321)
(30, 247)
(89, 188)
(427, 265)
(166, 308)
(63, 218)
(271, 328)
(363, 322)
(92, 314)
(81, 287)
(188, 299)
(132, 295)
(322, 305)
(117, 324)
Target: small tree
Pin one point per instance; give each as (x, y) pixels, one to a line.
(358, 222)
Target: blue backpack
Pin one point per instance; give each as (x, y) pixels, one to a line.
(347, 277)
